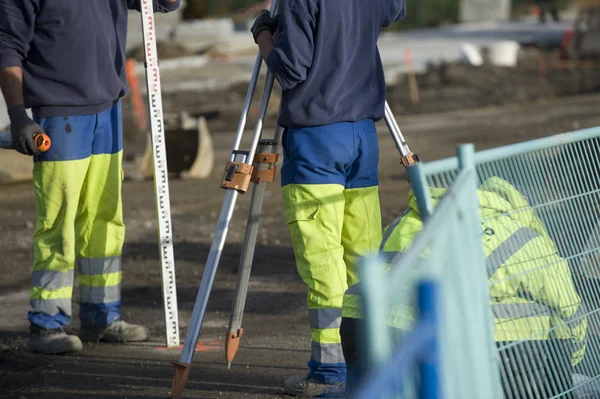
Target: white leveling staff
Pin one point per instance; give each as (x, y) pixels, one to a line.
(161, 177)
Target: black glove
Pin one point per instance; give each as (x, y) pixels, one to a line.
(264, 22)
(22, 130)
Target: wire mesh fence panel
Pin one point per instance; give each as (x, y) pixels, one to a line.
(539, 205)
(446, 251)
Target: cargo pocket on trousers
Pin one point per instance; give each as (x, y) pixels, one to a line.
(305, 233)
(301, 212)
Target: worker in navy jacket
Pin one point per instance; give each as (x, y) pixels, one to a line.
(65, 59)
(324, 55)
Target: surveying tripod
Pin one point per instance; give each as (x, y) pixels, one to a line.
(258, 166)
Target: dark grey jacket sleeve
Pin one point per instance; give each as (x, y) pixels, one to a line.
(292, 55)
(17, 20)
(162, 6)
(396, 12)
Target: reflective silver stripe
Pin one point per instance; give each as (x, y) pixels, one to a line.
(90, 267)
(508, 248)
(391, 228)
(520, 310)
(52, 280)
(100, 294)
(354, 290)
(579, 315)
(325, 318)
(51, 306)
(327, 353)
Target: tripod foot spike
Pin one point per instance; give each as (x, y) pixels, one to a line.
(180, 378)
(232, 342)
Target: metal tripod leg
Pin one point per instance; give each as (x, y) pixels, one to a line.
(235, 329)
(266, 160)
(236, 179)
(408, 158)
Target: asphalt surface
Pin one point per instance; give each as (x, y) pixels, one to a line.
(276, 337)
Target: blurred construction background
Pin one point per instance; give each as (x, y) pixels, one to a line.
(446, 54)
(426, 13)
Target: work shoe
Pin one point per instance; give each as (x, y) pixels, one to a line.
(306, 386)
(55, 341)
(119, 331)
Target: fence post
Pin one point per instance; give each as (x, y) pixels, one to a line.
(429, 366)
(375, 300)
(421, 190)
(472, 270)
(466, 154)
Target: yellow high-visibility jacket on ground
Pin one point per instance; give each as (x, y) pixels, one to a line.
(532, 294)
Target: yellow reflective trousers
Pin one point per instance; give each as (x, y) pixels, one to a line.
(79, 220)
(330, 191)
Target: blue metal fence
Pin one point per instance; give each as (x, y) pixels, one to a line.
(548, 294)
(419, 348)
(447, 255)
(558, 178)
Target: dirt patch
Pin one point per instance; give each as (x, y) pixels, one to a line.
(276, 338)
(539, 75)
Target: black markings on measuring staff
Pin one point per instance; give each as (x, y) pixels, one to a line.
(160, 172)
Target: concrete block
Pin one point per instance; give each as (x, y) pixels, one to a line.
(484, 10)
(190, 149)
(165, 27)
(15, 167)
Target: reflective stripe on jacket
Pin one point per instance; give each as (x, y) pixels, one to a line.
(532, 295)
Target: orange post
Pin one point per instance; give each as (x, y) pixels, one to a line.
(137, 104)
(412, 77)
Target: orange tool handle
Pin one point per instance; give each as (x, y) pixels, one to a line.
(42, 142)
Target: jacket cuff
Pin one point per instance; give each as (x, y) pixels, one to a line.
(10, 60)
(274, 64)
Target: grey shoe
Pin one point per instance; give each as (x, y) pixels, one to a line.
(305, 386)
(53, 342)
(119, 331)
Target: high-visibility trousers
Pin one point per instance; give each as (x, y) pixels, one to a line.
(330, 190)
(79, 220)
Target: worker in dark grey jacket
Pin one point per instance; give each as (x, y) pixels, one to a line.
(65, 59)
(324, 55)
